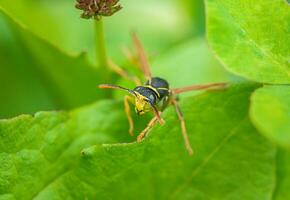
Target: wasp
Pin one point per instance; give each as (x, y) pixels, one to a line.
(153, 96)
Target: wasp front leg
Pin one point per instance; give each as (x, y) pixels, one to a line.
(148, 127)
(127, 100)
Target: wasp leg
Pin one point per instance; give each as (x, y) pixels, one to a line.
(130, 57)
(183, 127)
(149, 125)
(127, 99)
(143, 61)
(199, 87)
(123, 73)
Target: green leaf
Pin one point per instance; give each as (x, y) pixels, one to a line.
(34, 75)
(197, 11)
(250, 38)
(270, 112)
(36, 150)
(283, 176)
(41, 158)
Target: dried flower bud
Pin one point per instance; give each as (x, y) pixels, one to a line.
(98, 8)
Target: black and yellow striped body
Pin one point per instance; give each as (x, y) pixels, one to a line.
(154, 91)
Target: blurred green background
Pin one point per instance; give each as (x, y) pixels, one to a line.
(47, 52)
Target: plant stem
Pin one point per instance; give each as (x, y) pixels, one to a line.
(100, 45)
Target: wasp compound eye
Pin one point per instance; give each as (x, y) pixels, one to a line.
(97, 8)
(152, 99)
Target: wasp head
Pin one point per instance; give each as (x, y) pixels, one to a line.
(145, 99)
(142, 104)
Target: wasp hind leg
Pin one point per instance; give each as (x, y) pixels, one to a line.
(143, 61)
(211, 86)
(183, 127)
(133, 60)
(127, 100)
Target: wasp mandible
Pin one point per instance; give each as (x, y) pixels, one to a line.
(153, 96)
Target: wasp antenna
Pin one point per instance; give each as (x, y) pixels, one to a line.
(111, 86)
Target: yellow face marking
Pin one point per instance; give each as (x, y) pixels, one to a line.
(141, 104)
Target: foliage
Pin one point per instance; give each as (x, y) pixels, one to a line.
(270, 112)
(253, 31)
(79, 148)
(137, 170)
(38, 76)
